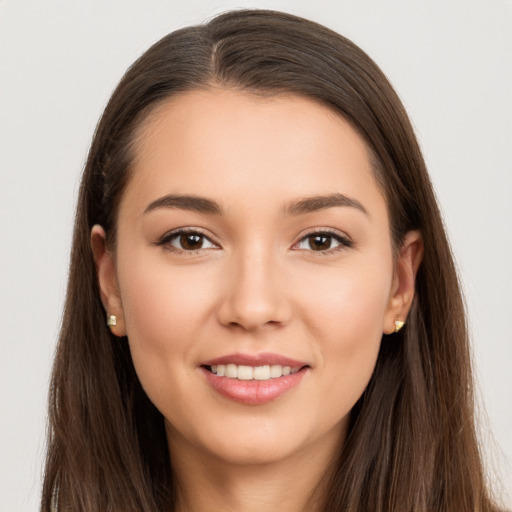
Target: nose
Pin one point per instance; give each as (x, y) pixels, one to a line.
(254, 294)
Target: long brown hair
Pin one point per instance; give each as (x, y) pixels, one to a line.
(412, 443)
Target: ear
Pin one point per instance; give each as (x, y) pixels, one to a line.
(402, 291)
(107, 279)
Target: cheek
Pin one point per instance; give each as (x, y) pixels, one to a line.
(348, 302)
(345, 318)
(159, 298)
(164, 310)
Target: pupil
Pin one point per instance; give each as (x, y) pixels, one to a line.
(320, 242)
(191, 242)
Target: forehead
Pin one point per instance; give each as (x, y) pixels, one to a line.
(222, 142)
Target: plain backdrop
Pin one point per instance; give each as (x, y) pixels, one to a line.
(451, 64)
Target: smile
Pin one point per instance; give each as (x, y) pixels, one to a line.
(253, 379)
(244, 372)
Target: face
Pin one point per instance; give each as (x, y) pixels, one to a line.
(253, 273)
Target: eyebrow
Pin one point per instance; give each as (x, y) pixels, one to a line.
(298, 207)
(316, 203)
(194, 203)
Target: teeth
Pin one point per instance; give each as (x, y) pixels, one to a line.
(261, 372)
(243, 372)
(276, 370)
(231, 371)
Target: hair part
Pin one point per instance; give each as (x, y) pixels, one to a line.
(412, 443)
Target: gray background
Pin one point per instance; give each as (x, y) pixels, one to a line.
(59, 60)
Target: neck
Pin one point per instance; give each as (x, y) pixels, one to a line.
(206, 482)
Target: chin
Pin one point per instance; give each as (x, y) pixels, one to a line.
(248, 442)
(247, 452)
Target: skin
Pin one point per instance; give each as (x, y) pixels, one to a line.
(257, 284)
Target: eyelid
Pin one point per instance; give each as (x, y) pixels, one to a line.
(344, 240)
(165, 239)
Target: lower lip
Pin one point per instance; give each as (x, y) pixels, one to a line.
(253, 392)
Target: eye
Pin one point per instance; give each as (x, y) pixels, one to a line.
(187, 240)
(323, 241)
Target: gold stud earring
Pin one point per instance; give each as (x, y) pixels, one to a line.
(398, 325)
(111, 320)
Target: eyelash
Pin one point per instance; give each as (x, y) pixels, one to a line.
(343, 240)
(165, 241)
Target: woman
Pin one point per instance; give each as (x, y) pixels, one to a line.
(285, 326)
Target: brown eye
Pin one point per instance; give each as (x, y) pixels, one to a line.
(187, 241)
(320, 242)
(323, 242)
(191, 242)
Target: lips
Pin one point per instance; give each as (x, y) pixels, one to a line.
(253, 379)
(255, 360)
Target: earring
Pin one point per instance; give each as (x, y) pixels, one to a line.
(398, 325)
(111, 320)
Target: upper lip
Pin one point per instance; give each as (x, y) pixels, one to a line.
(262, 359)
